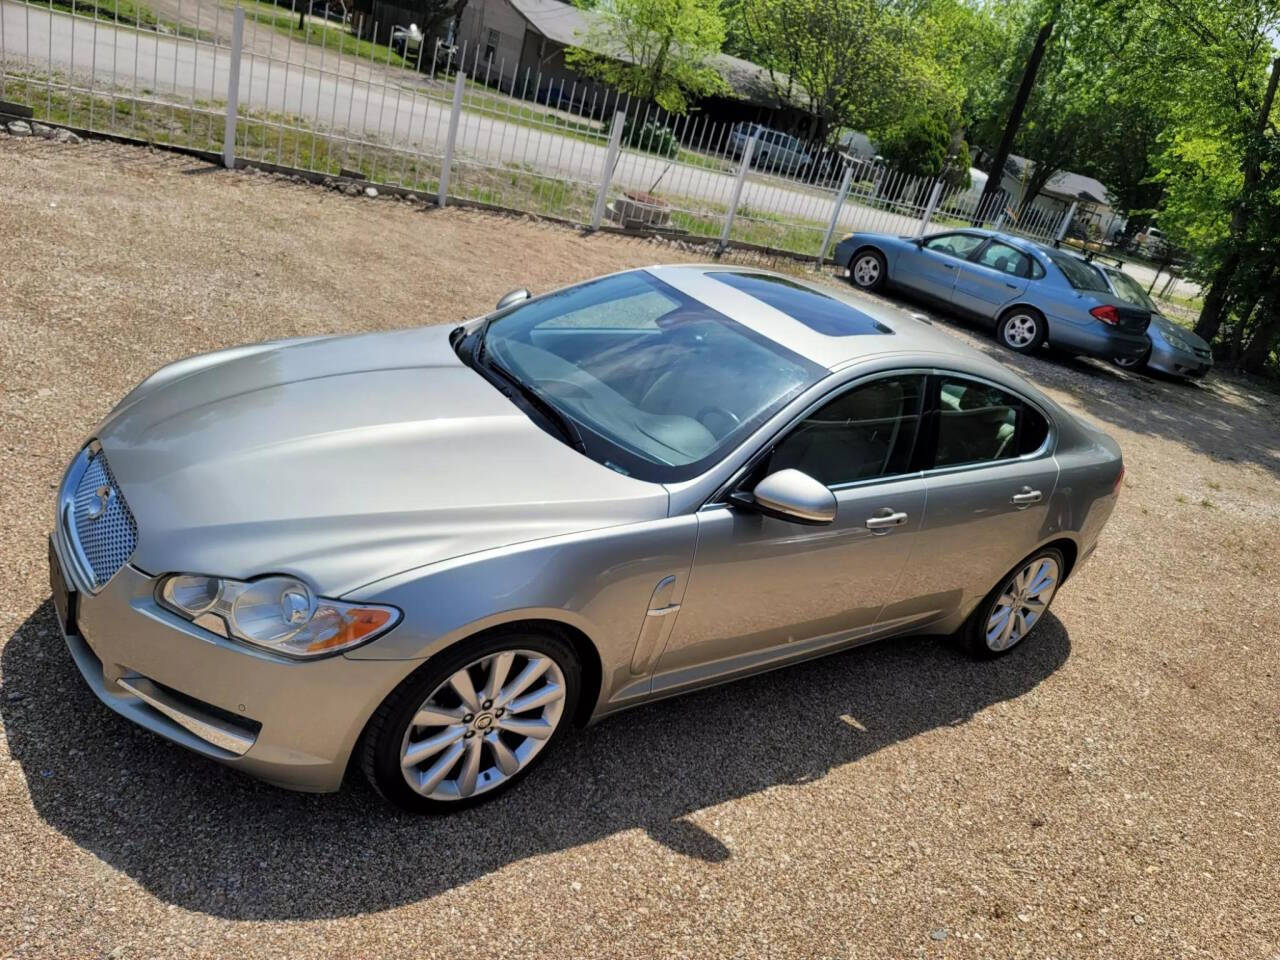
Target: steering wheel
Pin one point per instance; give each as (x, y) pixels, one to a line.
(732, 417)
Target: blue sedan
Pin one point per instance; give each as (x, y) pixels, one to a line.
(1034, 295)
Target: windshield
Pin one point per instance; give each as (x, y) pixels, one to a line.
(659, 385)
(1079, 274)
(1129, 290)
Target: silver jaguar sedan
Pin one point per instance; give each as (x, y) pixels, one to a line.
(428, 552)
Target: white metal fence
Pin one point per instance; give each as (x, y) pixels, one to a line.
(259, 84)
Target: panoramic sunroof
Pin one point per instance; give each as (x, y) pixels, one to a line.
(815, 310)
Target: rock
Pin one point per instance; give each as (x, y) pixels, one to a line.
(42, 130)
(19, 128)
(939, 934)
(66, 136)
(351, 190)
(371, 192)
(412, 198)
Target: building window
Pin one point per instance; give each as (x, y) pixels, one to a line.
(491, 45)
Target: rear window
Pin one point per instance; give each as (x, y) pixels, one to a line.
(1079, 274)
(817, 311)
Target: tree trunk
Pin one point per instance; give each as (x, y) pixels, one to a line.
(1215, 301)
(996, 175)
(1267, 336)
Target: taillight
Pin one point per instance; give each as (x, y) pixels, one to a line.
(1119, 480)
(1106, 313)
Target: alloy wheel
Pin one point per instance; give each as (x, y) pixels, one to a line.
(1022, 603)
(866, 270)
(483, 725)
(1021, 331)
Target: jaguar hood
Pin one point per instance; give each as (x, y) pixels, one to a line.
(343, 460)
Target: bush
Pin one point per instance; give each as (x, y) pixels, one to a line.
(650, 137)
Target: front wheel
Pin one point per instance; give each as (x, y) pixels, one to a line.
(867, 270)
(469, 724)
(1015, 607)
(1021, 330)
(1131, 363)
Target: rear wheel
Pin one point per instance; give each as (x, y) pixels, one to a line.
(472, 722)
(1015, 607)
(867, 270)
(1021, 329)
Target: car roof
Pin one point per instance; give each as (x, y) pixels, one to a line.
(824, 336)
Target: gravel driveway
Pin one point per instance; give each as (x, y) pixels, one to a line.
(1108, 791)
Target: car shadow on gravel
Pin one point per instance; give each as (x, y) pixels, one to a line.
(202, 837)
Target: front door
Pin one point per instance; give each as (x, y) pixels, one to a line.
(932, 270)
(764, 590)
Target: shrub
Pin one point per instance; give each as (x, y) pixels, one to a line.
(649, 136)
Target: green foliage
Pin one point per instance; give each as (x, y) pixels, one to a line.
(649, 136)
(918, 147)
(656, 50)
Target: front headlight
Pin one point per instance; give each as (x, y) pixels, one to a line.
(276, 613)
(1178, 341)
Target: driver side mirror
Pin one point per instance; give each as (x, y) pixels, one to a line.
(792, 496)
(515, 296)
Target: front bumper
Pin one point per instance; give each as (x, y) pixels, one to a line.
(1173, 360)
(291, 723)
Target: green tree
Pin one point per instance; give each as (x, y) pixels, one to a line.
(845, 63)
(656, 50)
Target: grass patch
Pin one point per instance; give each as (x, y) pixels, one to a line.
(331, 36)
(130, 14)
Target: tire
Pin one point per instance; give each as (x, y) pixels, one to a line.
(983, 635)
(502, 756)
(1022, 329)
(867, 270)
(1132, 363)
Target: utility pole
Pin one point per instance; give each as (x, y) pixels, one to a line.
(992, 189)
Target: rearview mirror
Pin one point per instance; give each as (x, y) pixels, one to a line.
(791, 495)
(515, 296)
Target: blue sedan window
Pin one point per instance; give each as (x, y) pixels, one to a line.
(814, 309)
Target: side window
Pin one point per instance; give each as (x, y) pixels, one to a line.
(864, 433)
(954, 244)
(1002, 257)
(979, 423)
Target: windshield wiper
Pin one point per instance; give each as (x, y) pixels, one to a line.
(568, 429)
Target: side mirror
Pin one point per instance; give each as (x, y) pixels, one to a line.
(790, 495)
(515, 296)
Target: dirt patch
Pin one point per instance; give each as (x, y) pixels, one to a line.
(1108, 791)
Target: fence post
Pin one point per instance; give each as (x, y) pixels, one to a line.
(835, 214)
(743, 167)
(610, 161)
(455, 115)
(934, 197)
(233, 89)
(1066, 222)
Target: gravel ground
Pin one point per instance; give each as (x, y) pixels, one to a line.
(1108, 791)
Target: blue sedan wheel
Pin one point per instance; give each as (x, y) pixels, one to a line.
(867, 270)
(1021, 329)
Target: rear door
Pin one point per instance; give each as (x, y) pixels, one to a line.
(989, 494)
(995, 276)
(932, 268)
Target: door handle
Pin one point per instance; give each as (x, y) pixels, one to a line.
(1026, 497)
(885, 520)
(949, 266)
(1011, 286)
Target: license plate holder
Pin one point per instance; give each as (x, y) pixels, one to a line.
(64, 597)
